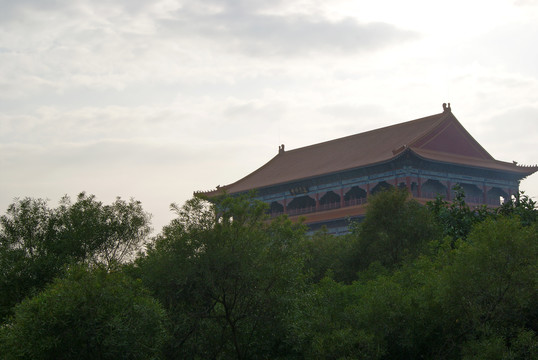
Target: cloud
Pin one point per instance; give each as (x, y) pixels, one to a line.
(254, 33)
(513, 133)
(56, 46)
(185, 121)
(13, 10)
(526, 2)
(60, 47)
(53, 126)
(368, 111)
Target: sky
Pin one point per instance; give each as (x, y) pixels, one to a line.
(154, 100)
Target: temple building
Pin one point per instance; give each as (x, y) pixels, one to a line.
(329, 183)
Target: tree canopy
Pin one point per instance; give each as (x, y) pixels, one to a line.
(37, 242)
(89, 314)
(227, 275)
(223, 281)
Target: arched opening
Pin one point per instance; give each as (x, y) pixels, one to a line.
(329, 197)
(494, 196)
(275, 208)
(329, 201)
(301, 204)
(355, 196)
(473, 194)
(433, 188)
(381, 186)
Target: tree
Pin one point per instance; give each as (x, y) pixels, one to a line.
(26, 264)
(523, 207)
(329, 322)
(224, 274)
(328, 254)
(394, 227)
(37, 242)
(456, 219)
(489, 289)
(89, 314)
(94, 233)
(471, 299)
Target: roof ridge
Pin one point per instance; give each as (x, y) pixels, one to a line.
(431, 154)
(384, 128)
(455, 155)
(434, 127)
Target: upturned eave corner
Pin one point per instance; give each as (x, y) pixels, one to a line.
(219, 190)
(527, 169)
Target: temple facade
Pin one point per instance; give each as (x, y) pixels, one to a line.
(328, 184)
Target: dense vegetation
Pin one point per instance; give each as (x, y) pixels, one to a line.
(221, 281)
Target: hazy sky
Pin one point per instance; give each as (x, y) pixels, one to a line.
(157, 99)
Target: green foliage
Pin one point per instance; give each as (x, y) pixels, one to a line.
(37, 242)
(522, 207)
(523, 346)
(226, 276)
(25, 232)
(86, 315)
(470, 299)
(438, 282)
(326, 253)
(491, 286)
(324, 324)
(394, 228)
(94, 233)
(456, 219)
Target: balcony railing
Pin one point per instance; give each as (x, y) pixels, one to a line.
(329, 206)
(469, 199)
(299, 211)
(474, 200)
(353, 202)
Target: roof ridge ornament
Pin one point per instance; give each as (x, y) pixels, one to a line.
(400, 149)
(281, 149)
(446, 108)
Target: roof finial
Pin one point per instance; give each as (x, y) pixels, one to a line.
(446, 108)
(281, 149)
